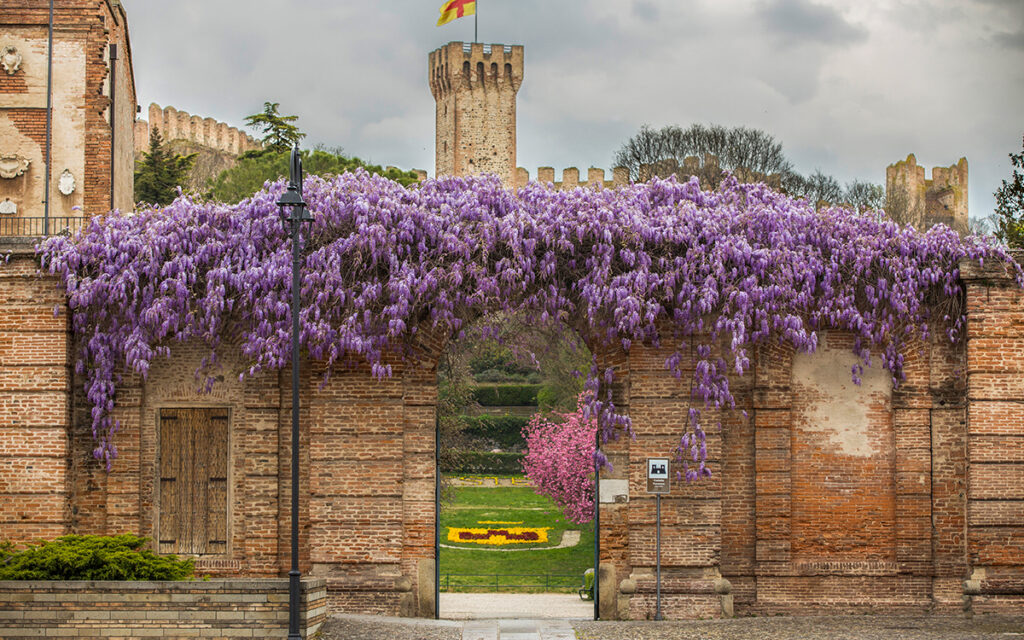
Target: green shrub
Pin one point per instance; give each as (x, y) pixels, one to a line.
(488, 463)
(506, 395)
(91, 558)
(505, 431)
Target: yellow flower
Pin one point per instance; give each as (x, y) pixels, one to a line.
(498, 536)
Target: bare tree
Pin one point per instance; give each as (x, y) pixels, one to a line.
(704, 151)
(902, 209)
(864, 195)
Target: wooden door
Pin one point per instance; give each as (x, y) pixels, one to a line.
(193, 481)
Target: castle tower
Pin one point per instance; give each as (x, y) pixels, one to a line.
(913, 199)
(474, 87)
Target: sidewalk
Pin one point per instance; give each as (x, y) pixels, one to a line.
(864, 627)
(529, 606)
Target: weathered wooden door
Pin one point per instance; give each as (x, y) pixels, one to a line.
(193, 481)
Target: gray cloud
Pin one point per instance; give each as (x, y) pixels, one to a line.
(646, 10)
(1012, 40)
(847, 87)
(801, 21)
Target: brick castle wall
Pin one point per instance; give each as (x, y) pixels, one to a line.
(179, 125)
(823, 495)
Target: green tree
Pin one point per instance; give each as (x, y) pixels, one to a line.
(252, 171)
(279, 134)
(1009, 212)
(159, 173)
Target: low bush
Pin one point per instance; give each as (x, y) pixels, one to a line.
(504, 431)
(506, 395)
(488, 463)
(122, 557)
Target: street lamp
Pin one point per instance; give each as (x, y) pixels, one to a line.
(293, 214)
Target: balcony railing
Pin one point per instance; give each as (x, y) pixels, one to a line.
(37, 227)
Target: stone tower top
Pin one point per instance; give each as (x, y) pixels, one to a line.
(474, 88)
(943, 199)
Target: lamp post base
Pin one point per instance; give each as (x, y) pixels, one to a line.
(293, 605)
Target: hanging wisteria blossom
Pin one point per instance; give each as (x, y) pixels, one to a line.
(661, 262)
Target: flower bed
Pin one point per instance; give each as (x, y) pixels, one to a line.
(499, 536)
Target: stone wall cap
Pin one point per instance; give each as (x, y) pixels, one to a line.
(19, 245)
(992, 269)
(214, 584)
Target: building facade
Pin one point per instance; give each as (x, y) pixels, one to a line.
(91, 129)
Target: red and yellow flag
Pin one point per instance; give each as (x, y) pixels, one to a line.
(453, 9)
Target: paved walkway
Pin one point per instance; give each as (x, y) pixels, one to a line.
(518, 630)
(863, 627)
(529, 606)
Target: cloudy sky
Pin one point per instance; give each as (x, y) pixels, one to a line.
(848, 86)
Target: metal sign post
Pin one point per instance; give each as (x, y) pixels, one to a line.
(658, 483)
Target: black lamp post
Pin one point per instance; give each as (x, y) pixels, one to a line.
(293, 214)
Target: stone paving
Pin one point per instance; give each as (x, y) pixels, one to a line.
(529, 606)
(866, 627)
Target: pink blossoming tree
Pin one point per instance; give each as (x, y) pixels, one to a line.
(559, 460)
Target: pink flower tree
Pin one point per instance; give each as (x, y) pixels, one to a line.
(559, 460)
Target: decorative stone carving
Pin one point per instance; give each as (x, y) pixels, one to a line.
(12, 166)
(10, 59)
(8, 208)
(66, 183)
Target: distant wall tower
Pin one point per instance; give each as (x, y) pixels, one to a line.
(925, 203)
(474, 87)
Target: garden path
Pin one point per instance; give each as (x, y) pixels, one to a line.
(503, 606)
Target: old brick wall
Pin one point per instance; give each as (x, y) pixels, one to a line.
(127, 499)
(34, 400)
(994, 441)
(372, 481)
(691, 516)
(187, 609)
(824, 494)
(843, 486)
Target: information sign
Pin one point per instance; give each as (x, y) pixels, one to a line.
(657, 475)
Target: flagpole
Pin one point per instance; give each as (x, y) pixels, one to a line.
(476, 21)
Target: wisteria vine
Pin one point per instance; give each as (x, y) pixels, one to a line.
(662, 262)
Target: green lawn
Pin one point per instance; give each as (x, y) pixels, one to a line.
(536, 569)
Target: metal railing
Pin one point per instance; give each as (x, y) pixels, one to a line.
(36, 227)
(497, 581)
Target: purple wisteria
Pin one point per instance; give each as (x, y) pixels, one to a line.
(662, 262)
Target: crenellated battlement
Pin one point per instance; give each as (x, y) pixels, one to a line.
(181, 125)
(571, 178)
(467, 66)
(923, 202)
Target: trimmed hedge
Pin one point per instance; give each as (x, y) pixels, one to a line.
(486, 462)
(120, 557)
(507, 395)
(506, 431)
